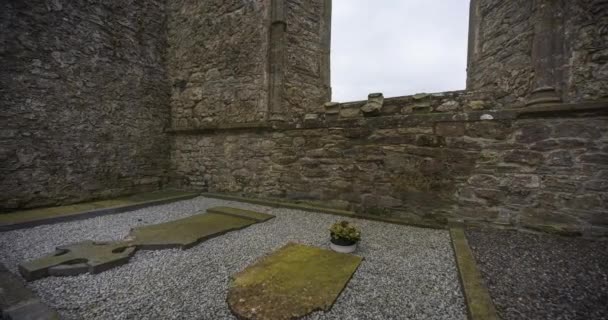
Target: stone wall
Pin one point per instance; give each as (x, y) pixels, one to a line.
(217, 61)
(307, 79)
(518, 46)
(500, 53)
(586, 43)
(84, 100)
(527, 168)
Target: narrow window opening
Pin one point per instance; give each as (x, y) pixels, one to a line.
(398, 47)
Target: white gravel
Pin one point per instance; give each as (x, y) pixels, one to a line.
(408, 273)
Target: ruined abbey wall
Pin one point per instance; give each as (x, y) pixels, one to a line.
(522, 169)
(494, 153)
(217, 61)
(508, 40)
(230, 96)
(247, 61)
(84, 100)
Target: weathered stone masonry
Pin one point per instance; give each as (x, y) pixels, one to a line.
(245, 85)
(83, 100)
(432, 156)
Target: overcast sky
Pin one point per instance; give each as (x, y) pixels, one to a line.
(398, 47)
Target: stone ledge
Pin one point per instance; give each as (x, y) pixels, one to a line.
(477, 298)
(398, 120)
(36, 217)
(223, 127)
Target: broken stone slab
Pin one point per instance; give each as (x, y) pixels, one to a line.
(373, 105)
(19, 303)
(94, 257)
(290, 283)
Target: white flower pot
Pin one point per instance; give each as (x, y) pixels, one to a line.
(343, 249)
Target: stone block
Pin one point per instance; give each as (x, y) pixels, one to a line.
(373, 105)
(448, 106)
(532, 133)
(524, 157)
(483, 181)
(332, 107)
(450, 129)
(560, 158)
(488, 130)
(94, 257)
(595, 158)
(349, 112)
(475, 105)
(520, 181)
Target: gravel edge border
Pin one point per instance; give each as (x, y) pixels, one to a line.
(96, 213)
(476, 295)
(275, 203)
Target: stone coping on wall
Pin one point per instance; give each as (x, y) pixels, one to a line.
(332, 120)
(50, 215)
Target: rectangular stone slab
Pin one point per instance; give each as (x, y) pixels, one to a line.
(291, 283)
(187, 232)
(241, 213)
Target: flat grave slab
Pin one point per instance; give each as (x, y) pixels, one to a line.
(291, 283)
(187, 232)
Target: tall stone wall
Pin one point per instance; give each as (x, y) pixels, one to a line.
(526, 145)
(247, 61)
(517, 167)
(84, 100)
(500, 48)
(518, 47)
(586, 43)
(217, 61)
(307, 74)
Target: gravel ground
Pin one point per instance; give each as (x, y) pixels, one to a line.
(534, 276)
(408, 273)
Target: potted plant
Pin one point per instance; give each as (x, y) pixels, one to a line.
(344, 237)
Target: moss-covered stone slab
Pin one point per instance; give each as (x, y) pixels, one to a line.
(291, 283)
(93, 257)
(82, 257)
(187, 232)
(40, 216)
